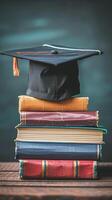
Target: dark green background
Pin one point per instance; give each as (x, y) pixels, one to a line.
(76, 23)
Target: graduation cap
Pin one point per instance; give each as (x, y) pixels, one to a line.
(53, 73)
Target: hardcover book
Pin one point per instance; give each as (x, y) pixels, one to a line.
(57, 151)
(60, 134)
(58, 169)
(88, 118)
(28, 103)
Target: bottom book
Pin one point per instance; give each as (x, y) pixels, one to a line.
(58, 169)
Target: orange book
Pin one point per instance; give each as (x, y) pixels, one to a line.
(28, 103)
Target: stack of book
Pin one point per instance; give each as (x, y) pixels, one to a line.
(57, 137)
(58, 140)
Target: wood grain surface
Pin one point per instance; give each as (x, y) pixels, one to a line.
(12, 187)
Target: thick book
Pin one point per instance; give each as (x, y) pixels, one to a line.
(27, 103)
(58, 169)
(53, 150)
(60, 134)
(88, 118)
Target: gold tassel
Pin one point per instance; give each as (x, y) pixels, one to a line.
(16, 70)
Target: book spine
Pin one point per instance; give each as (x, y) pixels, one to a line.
(58, 169)
(49, 151)
(27, 103)
(61, 123)
(59, 118)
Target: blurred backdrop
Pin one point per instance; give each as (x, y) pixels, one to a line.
(76, 23)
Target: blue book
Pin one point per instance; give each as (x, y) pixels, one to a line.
(54, 150)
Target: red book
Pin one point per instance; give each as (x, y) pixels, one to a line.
(58, 169)
(89, 118)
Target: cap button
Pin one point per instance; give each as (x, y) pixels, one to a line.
(54, 52)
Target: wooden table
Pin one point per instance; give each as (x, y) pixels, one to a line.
(12, 187)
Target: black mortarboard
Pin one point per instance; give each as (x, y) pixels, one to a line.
(53, 73)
